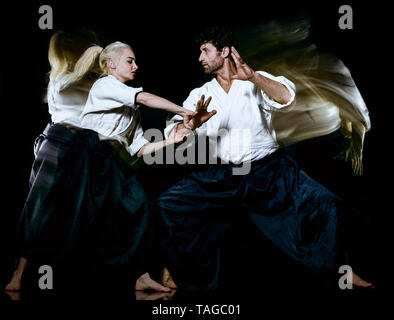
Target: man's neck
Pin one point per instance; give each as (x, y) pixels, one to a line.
(224, 75)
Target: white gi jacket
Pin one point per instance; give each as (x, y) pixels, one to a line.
(241, 130)
(111, 111)
(66, 105)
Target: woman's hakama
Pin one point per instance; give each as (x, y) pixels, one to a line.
(85, 205)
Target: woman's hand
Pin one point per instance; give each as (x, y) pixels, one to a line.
(187, 116)
(177, 135)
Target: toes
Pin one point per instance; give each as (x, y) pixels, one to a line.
(162, 288)
(150, 285)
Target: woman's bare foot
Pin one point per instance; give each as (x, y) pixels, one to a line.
(145, 282)
(359, 282)
(143, 295)
(16, 282)
(14, 295)
(166, 279)
(169, 295)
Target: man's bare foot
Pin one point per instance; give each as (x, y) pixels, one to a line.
(16, 282)
(145, 282)
(359, 282)
(166, 279)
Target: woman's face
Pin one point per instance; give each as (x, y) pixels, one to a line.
(124, 67)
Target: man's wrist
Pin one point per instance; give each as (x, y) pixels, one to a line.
(254, 77)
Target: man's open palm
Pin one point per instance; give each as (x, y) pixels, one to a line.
(202, 115)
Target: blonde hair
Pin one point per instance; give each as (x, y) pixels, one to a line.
(72, 57)
(87, 65)
(111, 51)
(65, 49)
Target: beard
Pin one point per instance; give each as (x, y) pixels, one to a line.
(213, 66)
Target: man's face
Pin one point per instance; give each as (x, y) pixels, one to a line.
(210, 58)
(125, 66)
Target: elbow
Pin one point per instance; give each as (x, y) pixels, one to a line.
(285, 97)
(142, 98)
(285, 100)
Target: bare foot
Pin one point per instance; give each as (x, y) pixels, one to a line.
(166, 279)
(169, 295)
(14, 295)
(359, 282)
(16, 282)
(142, 295)
(146, 283)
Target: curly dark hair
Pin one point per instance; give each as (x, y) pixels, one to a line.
(219, 36)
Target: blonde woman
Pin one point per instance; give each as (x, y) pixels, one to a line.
(112, 106)
(111, 110)
(66, 95)
(85, 205)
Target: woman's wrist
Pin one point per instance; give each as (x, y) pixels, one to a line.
(181, 111)
(167, 142)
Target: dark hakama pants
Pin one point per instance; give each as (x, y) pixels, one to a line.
(85, 206)
(289, 208)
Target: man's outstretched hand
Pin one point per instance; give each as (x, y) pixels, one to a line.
(243, 71)
(201, 116)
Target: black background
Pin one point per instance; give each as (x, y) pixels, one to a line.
(162, 36)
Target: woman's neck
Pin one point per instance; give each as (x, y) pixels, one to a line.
(116, 77)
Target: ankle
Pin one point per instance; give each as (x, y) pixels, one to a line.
(145, 276)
